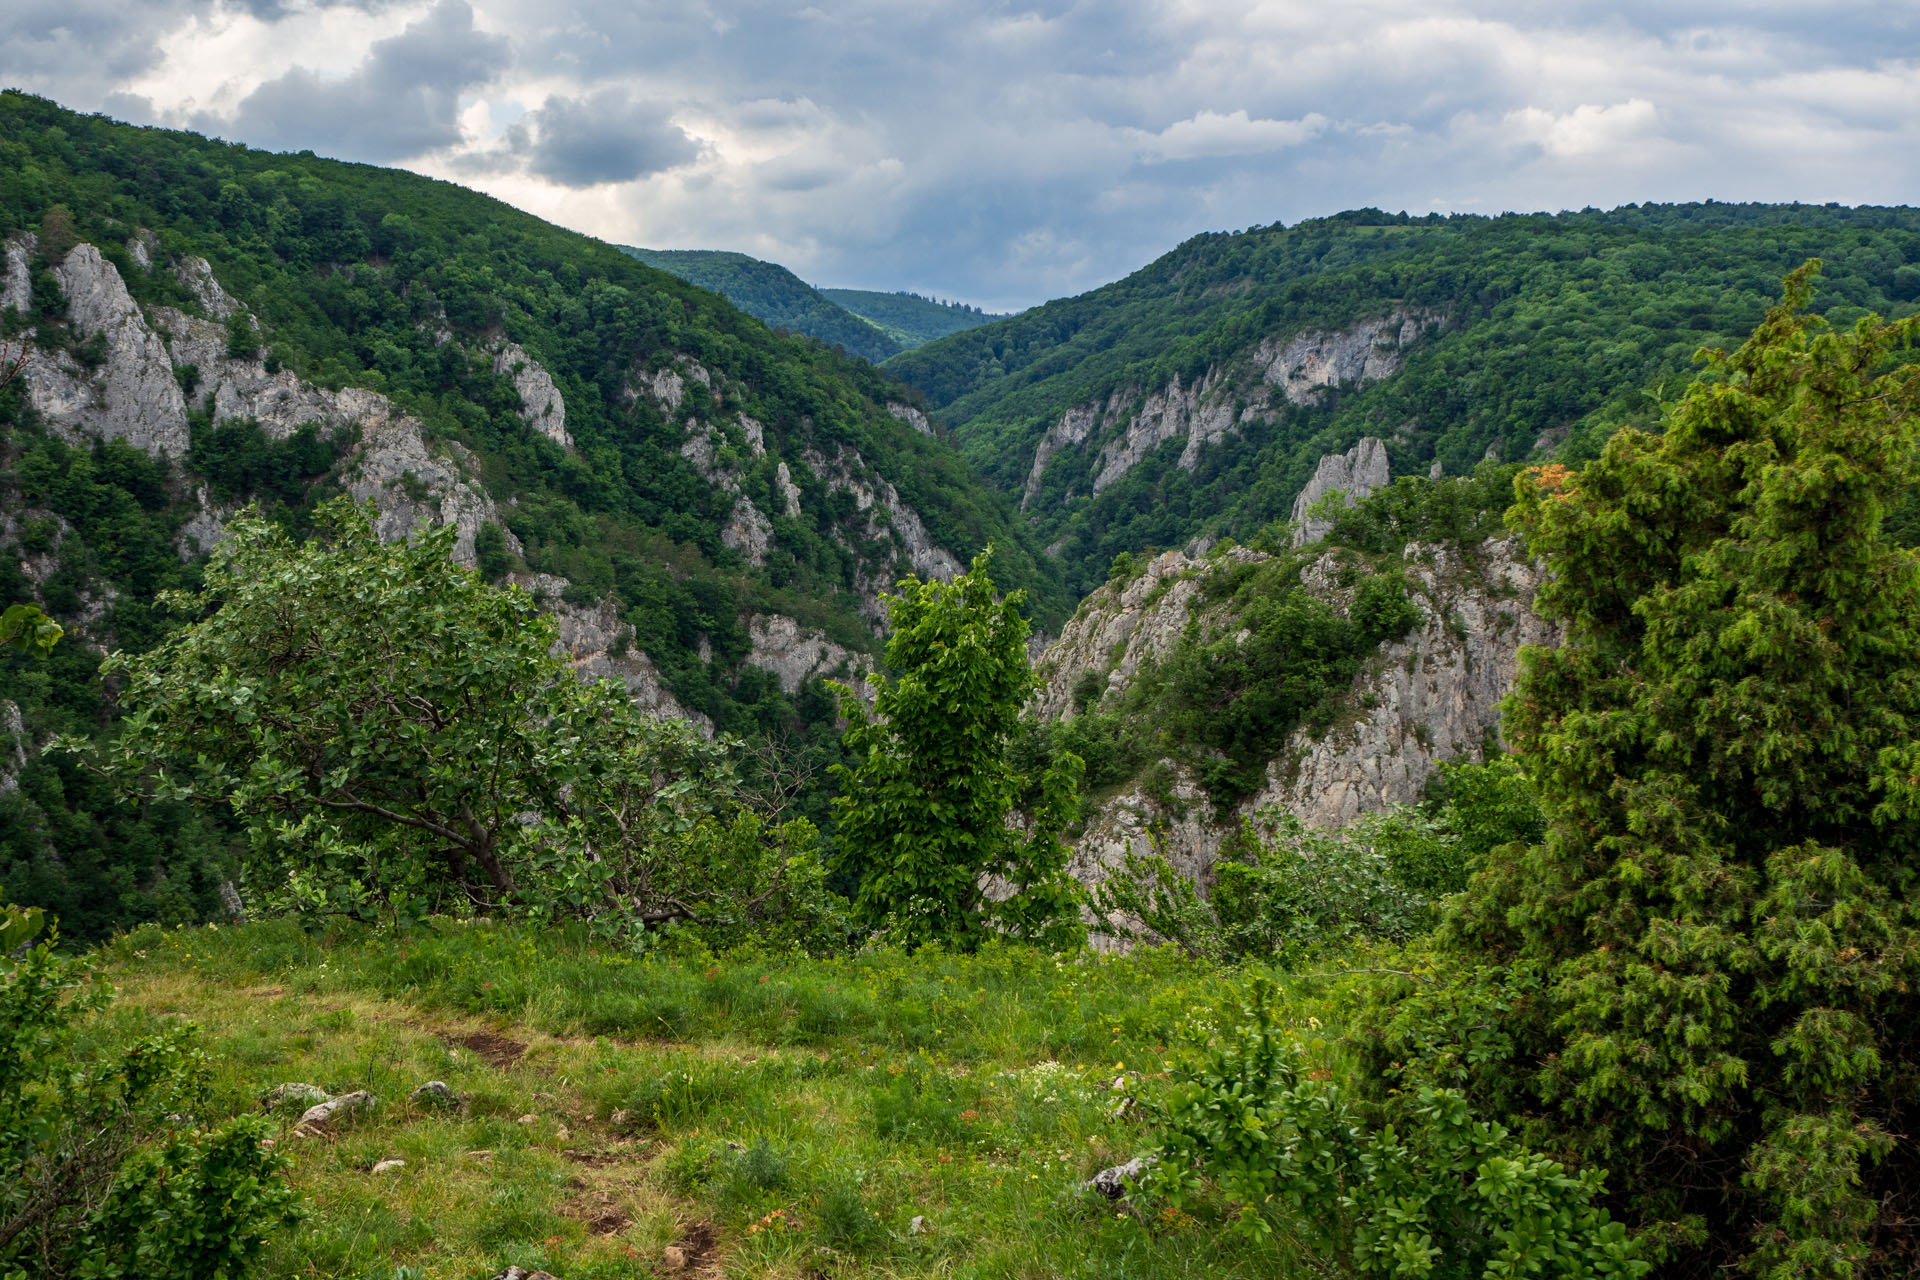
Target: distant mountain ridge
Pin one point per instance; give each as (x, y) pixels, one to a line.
(774, 295)
(911, 320)
(1196, 396)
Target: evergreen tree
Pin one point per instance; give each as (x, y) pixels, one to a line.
(1712, 961)
(926, 804)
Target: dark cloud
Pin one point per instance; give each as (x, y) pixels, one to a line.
(403, 101)
(607, 136)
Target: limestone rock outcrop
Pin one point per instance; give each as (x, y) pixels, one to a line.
(1296, 368)
(542, 407)
(1355, 473)
(1431, 696)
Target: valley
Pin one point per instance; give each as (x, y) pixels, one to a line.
(1372, 727)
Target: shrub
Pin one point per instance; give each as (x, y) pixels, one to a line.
(1422, 1190)
(99, 1174)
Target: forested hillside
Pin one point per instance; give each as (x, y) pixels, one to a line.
(1198, 393)
(712, 508)
(775, 295)
(911, 320)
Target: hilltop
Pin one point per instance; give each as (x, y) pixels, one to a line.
(1197, 395)
(771, 293)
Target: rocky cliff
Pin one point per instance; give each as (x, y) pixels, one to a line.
(147, 370)
(1108, 438)
(1429, 697)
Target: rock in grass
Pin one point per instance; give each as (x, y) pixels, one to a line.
(521, 1273)
(918, 1227)
(674, 1257)
(435, 1093)
(326, 1113)
(1113, 1183)
(389, 1166)
(307, 1095)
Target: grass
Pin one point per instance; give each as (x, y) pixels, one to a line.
(738, 1115)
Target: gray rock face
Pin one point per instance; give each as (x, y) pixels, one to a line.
(789, 491)
(911, 416)
(1131, 423)
(132, 395)
(887, 515)
(542, 407)
(795, 653)
(1194, 414)
(1356, 473)
(197, 277)
(16, 275)
(1306, 364)
(748, 532)
(1429, 697)
(13, 747)
(600, 647)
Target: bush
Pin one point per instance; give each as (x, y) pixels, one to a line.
(1423, 1189)
(100, 1176)
(1283, 891)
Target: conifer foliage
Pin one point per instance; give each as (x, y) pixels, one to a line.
(925, 807)
(1720, 926)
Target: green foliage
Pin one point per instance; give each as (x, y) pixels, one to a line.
(1422, 1189)
(1234, 693)
(775, 295)
(243, 342)
(99, 1177)
(907, 318)
(1563, 325)
(381, 279)
(924, 809)
(1719, 924)
(239, 460)
(399, 738)
(492, 560)
(1285, 892)
(25, 628)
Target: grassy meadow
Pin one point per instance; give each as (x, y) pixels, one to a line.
(694, 1114)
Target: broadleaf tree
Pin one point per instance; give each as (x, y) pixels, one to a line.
(399, 738)
(954, 845)
(1712, 959)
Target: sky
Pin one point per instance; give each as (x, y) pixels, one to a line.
(1003, 154)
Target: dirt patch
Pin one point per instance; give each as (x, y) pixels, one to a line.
(609, 1221)
(700, 1241)
(493, 1049)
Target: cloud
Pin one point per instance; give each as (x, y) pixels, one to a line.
(402, 101)
(1588, 129)
(1211, 134)
(1007, 154)
(606, 136)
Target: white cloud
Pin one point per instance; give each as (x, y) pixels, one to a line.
(1588, 129)
(1211, 134)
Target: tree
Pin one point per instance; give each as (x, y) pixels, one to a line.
(1711, 963)
(927, 810)
(400, 737)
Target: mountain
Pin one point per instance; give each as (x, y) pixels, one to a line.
(1197, 395)
(711, 509)
(908, 318)
(776, 296)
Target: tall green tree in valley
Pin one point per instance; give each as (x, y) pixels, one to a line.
(953, 844)
(1713, 958)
